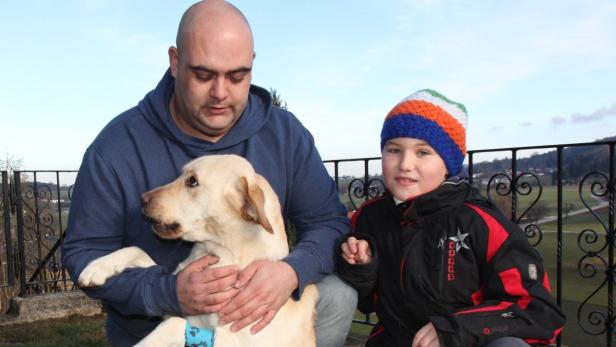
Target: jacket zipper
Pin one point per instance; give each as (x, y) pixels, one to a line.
(443, 266)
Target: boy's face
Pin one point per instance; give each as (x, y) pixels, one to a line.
(411, 167)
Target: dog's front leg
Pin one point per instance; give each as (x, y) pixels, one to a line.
(99, 270)
(169, 333)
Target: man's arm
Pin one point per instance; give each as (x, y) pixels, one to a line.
(96, 227)
(319, 217)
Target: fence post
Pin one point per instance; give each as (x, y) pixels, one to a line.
(610, 239)
(20, 234)
(6, 203)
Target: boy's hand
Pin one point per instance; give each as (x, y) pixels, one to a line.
(356, 251)
(426, 337)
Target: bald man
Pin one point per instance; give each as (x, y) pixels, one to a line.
(205, 104)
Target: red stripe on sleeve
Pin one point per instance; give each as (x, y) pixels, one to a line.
(545, 342)
(546, 282)
(512, 282)
(378, 330)
(354, 219)
(477, 297)
(496, 233)
(501, 306)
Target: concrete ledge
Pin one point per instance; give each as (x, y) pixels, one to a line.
(48, 306)
(355, 340)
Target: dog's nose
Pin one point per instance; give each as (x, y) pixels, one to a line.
(145, 198)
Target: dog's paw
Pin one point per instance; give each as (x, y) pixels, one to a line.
(98, 272)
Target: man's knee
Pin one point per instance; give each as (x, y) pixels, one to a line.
(336, 295)
(335, 310)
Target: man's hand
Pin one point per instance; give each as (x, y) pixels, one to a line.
(356, 251)
(265, 287)
(426, 337)
(202, 289)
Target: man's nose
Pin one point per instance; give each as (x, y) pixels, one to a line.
(219, 89)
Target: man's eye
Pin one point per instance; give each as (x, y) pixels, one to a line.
(204, 77)
(237, 77)
(192, 182)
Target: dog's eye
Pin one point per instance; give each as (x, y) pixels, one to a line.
(192, 182)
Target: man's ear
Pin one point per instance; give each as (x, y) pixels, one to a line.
(173, 60)
(254, 207)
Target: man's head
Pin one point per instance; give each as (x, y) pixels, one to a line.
(423, 139)
(212, 67)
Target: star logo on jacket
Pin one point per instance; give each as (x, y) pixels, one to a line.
(459, 240)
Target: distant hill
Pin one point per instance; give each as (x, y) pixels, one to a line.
(577, 161)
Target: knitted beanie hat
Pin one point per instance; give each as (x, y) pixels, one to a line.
(430, 116)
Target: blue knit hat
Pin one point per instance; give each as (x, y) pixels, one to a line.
(430, 116)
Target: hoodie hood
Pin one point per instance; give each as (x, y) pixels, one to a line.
(155, 109)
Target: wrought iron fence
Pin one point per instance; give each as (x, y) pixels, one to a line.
(35, 207)
(565, 207)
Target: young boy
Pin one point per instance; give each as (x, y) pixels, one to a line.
(439, 264)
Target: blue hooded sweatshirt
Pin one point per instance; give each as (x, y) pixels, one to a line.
(142, 149)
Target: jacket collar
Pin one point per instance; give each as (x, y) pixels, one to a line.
(451, 193)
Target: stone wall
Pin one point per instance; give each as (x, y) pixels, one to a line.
(48, 306)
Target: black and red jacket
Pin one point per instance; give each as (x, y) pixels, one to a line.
(451, 258)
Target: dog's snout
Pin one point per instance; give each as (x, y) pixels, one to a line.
(145, 198)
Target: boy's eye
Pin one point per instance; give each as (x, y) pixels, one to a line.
(392, 150)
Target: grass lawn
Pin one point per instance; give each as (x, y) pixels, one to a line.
(74, 331)
(81, 331)
(549, 197)
(89, 331)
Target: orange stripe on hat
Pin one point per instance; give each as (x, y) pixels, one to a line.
(427, 110)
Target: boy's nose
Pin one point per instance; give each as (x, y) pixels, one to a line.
(407, 163)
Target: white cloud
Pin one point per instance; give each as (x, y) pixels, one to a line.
(556, 121)
(595, 116)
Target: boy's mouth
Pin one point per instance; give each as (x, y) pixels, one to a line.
(405, 181)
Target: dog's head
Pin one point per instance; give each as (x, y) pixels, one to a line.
(212, 194)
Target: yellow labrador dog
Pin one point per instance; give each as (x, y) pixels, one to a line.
(227, 210)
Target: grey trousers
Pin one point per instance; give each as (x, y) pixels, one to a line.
(335, 310)
(508, 342)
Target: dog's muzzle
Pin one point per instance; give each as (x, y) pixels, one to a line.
(164, 230)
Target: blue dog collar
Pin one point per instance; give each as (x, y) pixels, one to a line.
(198, 337)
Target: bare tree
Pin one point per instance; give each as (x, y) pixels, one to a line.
(277, 99)
(10, 163)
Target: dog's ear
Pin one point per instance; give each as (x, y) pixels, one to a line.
(254, 208)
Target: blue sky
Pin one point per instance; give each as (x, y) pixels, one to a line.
(529, 72)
